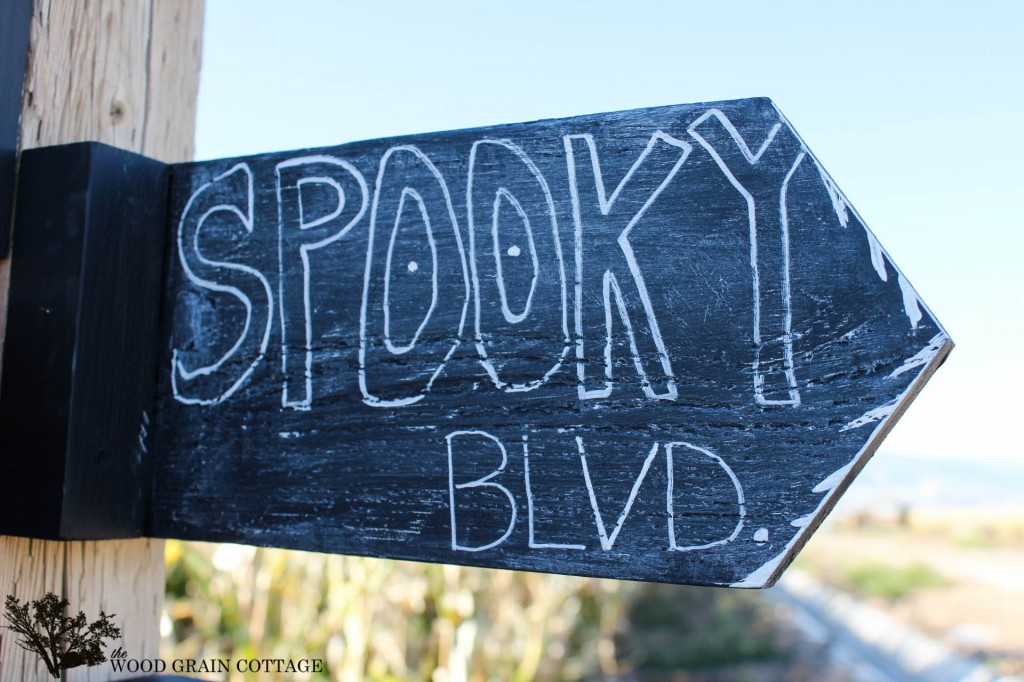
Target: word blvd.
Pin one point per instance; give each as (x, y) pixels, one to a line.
(505, 511)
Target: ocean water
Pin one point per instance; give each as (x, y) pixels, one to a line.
(917, 481)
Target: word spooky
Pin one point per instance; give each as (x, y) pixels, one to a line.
(445, 346)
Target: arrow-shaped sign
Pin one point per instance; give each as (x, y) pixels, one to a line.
(654, 344)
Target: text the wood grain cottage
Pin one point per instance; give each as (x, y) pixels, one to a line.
(653, 344)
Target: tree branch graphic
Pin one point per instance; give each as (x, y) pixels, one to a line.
(61, 641)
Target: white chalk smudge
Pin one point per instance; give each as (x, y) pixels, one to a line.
(871, 416)
(911, 302)
(839, 203)
(761, 576)
(802, 522)
(877, 256)
(922, 357)
(833, 479)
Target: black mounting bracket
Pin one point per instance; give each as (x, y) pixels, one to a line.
(79, 366)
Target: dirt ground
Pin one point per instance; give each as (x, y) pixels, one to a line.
(978, 612)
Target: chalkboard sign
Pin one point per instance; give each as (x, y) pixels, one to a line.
(650, 345)
(655, 344)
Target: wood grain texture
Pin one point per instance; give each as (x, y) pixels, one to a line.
(15, 22)
(98, 70)
(401, 347)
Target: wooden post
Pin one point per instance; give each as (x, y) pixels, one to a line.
(123, 72)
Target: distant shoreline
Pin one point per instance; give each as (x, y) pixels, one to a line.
(939, 483)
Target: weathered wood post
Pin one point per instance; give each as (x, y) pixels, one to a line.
(124, 72)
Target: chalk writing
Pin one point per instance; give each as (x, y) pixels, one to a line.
(495, 166)
(651, 344)
(410, 189)
(769, 245)
(297, 227)
(212, 383)
(476, 446)
(661, 159)
(407, 174)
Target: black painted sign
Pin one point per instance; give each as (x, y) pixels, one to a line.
(654, 344)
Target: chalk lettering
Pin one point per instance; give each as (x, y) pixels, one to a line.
(613, 269)
(211, 383)
(484, 482)
(693, 450)
(517, 322)
(300, 232)
(608, 539)
(703, 471)
(530, 508)
(412, 203)
(512, 229)
(774, 375)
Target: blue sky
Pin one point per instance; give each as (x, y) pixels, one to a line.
(913, 107)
